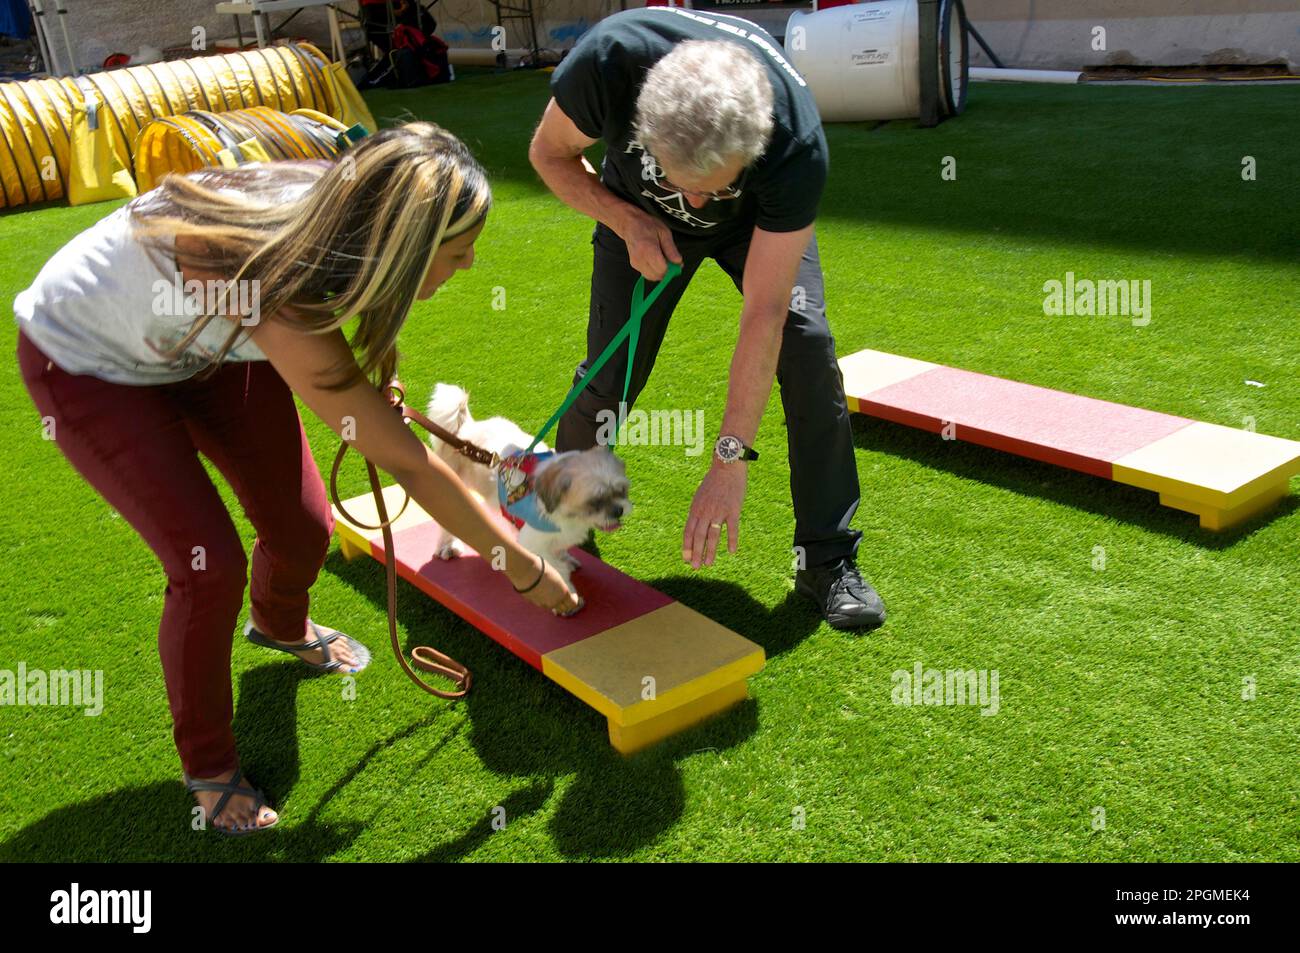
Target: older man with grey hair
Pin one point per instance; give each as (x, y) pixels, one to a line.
(713, 149)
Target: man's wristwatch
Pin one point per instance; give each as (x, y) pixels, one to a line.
(729, 449)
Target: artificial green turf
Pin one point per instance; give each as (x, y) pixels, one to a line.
(1120, 689)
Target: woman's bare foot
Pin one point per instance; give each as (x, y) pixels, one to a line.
(339, 650)
(241, 811)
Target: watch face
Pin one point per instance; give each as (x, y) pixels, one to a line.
(728, 448)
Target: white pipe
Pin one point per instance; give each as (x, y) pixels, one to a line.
(989, 73)
(481, 55)
(47, 48)
(67, 41)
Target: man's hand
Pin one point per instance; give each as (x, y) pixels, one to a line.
(649, 242)
(556, 153)
(717, 502)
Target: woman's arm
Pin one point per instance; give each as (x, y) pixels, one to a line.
(378, 433)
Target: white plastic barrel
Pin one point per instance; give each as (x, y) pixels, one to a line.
(861, 60)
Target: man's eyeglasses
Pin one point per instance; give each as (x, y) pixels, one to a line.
(733, 191)
(730, 192)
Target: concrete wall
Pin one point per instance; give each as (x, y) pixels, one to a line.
(100, 27)
(559, 22)
(1058, 34)
(1043, 34)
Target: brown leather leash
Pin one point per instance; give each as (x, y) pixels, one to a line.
(424, 657)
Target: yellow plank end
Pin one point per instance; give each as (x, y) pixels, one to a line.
(628, 739)
(660, 661)
(1218, 518)
(1207, 464)
(351, 545)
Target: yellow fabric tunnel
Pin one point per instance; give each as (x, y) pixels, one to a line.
(197, 139)
(37, 126)
(98, 170)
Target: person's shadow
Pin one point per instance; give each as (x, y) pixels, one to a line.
(524, 725)
(520, 724)
(153, 822)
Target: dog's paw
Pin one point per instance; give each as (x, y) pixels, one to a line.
(451, 549)
(575, 610)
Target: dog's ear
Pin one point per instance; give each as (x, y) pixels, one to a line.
(552, 483)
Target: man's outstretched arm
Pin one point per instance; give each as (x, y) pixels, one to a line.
(770, 270)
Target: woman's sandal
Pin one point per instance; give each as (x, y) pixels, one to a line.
(229, 789)
(321, 642)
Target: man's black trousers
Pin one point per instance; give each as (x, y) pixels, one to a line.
(823, 475)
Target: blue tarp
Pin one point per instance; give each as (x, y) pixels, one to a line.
(15, 19)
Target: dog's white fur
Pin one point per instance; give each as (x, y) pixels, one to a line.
(577, 490)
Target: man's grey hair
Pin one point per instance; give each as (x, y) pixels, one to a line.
(705, 104)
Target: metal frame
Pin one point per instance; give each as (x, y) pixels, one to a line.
(45, 38)
(264, 28)
(511, 11)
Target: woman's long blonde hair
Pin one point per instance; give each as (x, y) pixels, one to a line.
(332, 241)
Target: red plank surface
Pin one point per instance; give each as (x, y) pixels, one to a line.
(1067, 430)
(469, 587)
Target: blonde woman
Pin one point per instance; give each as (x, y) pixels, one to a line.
(137, 375)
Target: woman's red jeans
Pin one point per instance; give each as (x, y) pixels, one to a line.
(139, 448)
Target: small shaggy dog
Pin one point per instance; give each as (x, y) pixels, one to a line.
(576, 491)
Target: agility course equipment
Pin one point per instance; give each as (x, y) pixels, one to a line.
(197, 139)
(1223, 475)
(649, 664)
(37, 117)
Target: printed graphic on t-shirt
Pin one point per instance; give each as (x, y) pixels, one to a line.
(201, 350)
(670, 201)
(164, 344)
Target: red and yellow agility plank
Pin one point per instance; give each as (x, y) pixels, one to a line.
(649, 664)
(1223, 475)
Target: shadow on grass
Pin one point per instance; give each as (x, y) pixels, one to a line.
(1065, 487)
(152, 822)
(521, 725)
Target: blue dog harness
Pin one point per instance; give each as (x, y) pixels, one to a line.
(516, 491)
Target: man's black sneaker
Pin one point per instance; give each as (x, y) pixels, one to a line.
(845, 599)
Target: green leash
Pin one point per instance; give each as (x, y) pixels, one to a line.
(632, 331)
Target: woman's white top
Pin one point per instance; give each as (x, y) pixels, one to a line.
(107, 306)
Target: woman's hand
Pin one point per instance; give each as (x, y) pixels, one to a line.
(363, 417)
(551, 591)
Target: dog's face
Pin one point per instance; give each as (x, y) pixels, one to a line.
(587, 488)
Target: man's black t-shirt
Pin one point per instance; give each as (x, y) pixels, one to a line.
(597, 85)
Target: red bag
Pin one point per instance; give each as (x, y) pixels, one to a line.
(430, 50)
